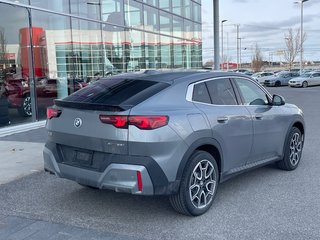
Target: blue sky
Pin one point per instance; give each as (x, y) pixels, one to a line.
(263, 22)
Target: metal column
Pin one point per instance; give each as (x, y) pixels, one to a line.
(216, 34)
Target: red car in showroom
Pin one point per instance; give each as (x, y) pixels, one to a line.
(17, 92)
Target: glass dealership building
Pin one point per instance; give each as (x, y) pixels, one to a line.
(49, 49)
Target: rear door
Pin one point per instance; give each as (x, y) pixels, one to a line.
(231, 123)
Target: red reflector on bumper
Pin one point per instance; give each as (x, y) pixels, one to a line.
(139, 181)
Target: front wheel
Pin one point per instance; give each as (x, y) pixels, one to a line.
(25, 108)
(199, 185)
(293, 150)
(305, 84)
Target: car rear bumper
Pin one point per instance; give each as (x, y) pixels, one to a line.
(119, 175)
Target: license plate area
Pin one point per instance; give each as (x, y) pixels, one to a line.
(83, 158)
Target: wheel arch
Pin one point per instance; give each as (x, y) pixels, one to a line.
(298, 124)
(209, 145)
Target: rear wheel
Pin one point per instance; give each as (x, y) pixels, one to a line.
(278, 84)
(305, 84)
(293, 150)
(198, 187)
(25, 108)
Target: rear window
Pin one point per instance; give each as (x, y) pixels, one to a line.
(115, 93)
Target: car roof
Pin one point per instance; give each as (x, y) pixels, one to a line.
(170, 76)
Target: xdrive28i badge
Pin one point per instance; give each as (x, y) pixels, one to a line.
(77, 122)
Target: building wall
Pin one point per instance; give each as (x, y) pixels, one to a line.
(55, 47)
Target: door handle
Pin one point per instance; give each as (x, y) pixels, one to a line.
(258, 116)
(222, 119)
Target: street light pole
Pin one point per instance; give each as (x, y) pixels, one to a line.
(227, 51)
(222, 65)
(301, 33)
(237, 46)
(239, 38)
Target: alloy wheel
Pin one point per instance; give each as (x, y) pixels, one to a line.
(27, 106)
(295, 149)
(305, 84)
(202, 184)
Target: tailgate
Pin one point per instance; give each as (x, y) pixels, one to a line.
(80, 128)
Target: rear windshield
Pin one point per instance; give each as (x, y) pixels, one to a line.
(111, 93)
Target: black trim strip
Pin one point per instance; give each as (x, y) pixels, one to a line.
(89, 106)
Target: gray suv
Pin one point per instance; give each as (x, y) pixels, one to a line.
(171, 133)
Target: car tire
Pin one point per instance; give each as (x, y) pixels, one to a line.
(277, 84)
(305, 84)
(4, 120)
(25, 109)
(292, 151)
(4, 107)
(197, 188)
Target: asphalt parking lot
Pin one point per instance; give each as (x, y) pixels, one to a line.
(266, 203)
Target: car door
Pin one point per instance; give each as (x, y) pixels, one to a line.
(315, 79)
(269, 121)
(231, 123)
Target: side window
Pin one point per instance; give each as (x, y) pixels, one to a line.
(316, 75)
(200, 93)
(252, 94)
(221, 92)
(294, 74)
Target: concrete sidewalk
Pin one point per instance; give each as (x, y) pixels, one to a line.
(21, 154)
(19, 159)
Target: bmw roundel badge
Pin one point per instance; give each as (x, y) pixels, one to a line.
(77, 122)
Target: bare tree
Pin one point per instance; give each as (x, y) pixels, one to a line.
(3, 46)
(257, 61)
(293, 45)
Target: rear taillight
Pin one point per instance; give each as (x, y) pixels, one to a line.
(141, 122)
(53, 113)
(116, 120)
(148, 122)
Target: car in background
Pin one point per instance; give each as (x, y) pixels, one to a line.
(259, 76)
(280, 79)
(305, 80)
(244, 71)
(17, 92)
(174, 133)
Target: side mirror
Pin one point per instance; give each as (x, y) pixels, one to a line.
(278, 100)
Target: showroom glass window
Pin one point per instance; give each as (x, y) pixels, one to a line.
(53, 58)
(108, 38)
(16, 66)
(56, 5)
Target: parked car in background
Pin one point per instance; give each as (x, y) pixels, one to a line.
(259, 76)
(305, 80)
(244, 71)
(280, 79)
(17, 92)
(176, 133)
